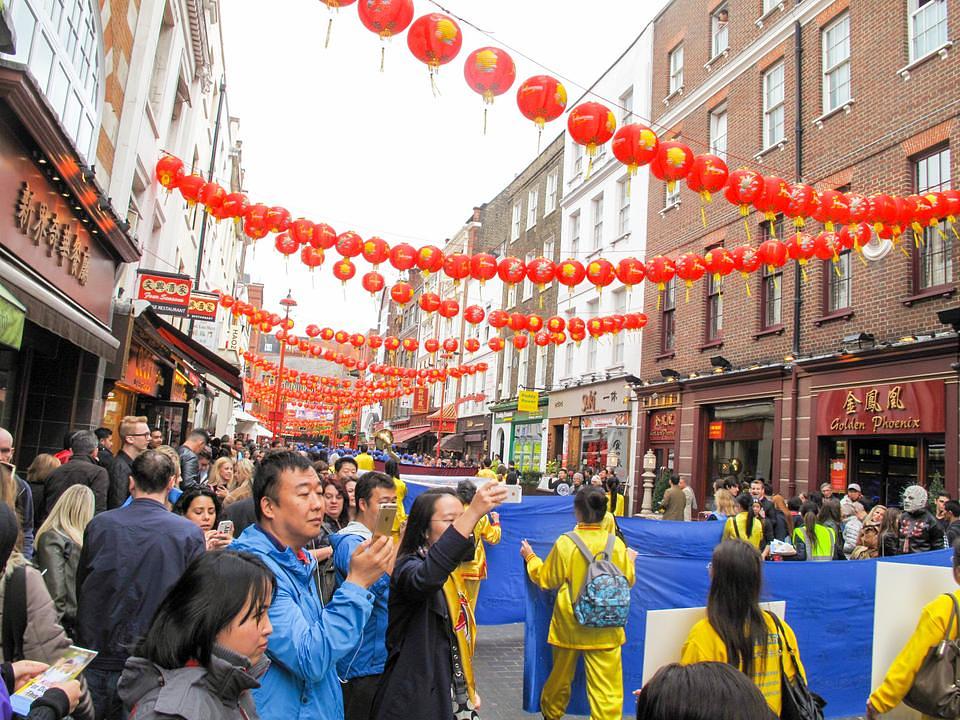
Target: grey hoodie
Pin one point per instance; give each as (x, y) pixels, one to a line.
(218, 692)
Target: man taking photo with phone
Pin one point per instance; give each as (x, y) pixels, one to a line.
(376, 498)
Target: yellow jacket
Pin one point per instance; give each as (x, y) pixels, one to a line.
(364, 462)
(565, 570)
(401, 512)
(755, 538)
(930, 631)
(476, 569)
(618, 510)
(704, 645)
(487, 473)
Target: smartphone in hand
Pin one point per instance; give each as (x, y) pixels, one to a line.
(225, 526)
(385, 519)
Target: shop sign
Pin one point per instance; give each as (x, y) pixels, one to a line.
(203, 306)
(479, 397)
(63, 242)
(235, 338)
(597, 399)
(168, 293)
(663, 426)
(665, 400)
(178, 393)
(838, 474)
(716, 430)
(421, 400)
(605, 421)
(143, 372)
(528, 401)
(887, 409)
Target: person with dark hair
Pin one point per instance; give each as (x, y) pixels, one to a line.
(937, 621)
(474, 571)
(196, 441)
(65, 454)
(431, 631)
(600, 647)
(104, 448)
(940, 512)
(615, 498)
(360, 671)
(205, 648)
(737, 631)
(141, 548)
(486, 471)
(890, 533)
(951, 512)
(345, 468)
(829, 515)
(336, 506)
(80, 469)
(815, 540)
(745, 525)
(364, 461)
(308, 637)
(201, 506)
(391, 468)
(702, 691)
(674, 502)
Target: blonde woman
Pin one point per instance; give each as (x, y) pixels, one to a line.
(725, 504)
(242, 482)
(59, 541)
(220, 477)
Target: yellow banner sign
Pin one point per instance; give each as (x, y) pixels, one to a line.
(528, 401)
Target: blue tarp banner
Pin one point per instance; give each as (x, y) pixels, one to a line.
(830, 606)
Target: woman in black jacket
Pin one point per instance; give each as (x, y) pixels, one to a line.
(431, 631)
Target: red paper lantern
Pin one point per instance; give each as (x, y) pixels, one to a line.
(211, 195)
(511, 270)
(277, 219)
(775, 198)
(302, 230)
(826, 246)
(635, 145)
(403, 256)
(707, 175)
(600, 273)
(430, 259)
(834, 209)
(372, 282)
(495, 343)
(743, 188)
(520, 341)
(310, 256)
(474, 314)
(541, 99)
(800, 247)
(490, 72)
(718, 262)
(559, 338)
(410, 344)
(234, 205)
(349, 244)
(591, 124)
(457, 267)
(690, 267)
(313, 331)
(449, 308)
(376, 251)
(804, 201)
(391, 343)
(285, 244)
(498, 319)
(402, 293)
(450, 345)
(854, 237)
(483, 267)
(358, 340)
(773, 254)
(556, 324)
(341, 337)
(429, 302)
(541, 271)
(542, 338)
(189, 186)
(471, 344)
(169, 171)
(375, 341)
(344, 270)
(660, 270)
(227, 301)
(630, 272)
(570, 273)
(534, 323)
(745, 260)
(518, 321)
(434, 40)
(672, 162)
(385, 17)
(859, 208)
(431, 345)
(576, 326)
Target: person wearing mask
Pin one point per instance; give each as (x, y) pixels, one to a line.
(919, 529)
(951, 512)
(142, 548)
(135, 438)
(737, 631)
(937, 621)
(674, 501)
(59, 543)
(868, 544)
(104, 448)
(156, 439)
(485, 471)
(309, 638)
(364, 461)
(220, 477)
(37, 474)
(431, 630)
(600, 647)
(702, 691)
(724, 504)
(391, 469)
(745, 525)
(201, 506)
(360, 671)
(890, 534)
(474, 571)
(814, 540)
(204, 651)
(19, 495)
(80, 469)
(189, 457)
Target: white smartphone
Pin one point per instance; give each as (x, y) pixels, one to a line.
(225, 526)
(385, 519)
(514, 494)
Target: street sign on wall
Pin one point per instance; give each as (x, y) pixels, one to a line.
(528, 401)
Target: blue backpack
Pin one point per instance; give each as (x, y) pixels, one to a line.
(604, 598)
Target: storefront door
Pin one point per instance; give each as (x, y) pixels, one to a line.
(883, 468)
(170, 418)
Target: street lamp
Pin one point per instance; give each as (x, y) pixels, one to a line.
(288, 304)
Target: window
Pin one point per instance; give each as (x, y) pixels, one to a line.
(839, 282)
(549, 248)
(577, 159)
(836, 64)
(626, 106)
(623, 201)
(522, 368)
(933, 262)
(676, 69)
(769, 5)
(771, 298)
(668, 319)
(527, 282)
(773, 106)
(718, 132)
(568, 360)
(533, 199)
(593, 311)
(550, 202)
(513, 295)
(928, 27)
(718, 29)
(672, 196)
(515, 223)
(714, 307)
(619, 307)
(506, 382)
(540, 374)
(61, 43)
(575, 234)
(597, 208)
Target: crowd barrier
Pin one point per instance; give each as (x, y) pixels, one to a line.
(830, 606)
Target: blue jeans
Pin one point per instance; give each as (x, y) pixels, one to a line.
(103, 690)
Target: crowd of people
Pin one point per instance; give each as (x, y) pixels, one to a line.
(229, 580)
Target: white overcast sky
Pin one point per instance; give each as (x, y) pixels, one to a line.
(331, 138)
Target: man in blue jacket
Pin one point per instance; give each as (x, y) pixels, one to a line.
(360, 670)
(308, 639)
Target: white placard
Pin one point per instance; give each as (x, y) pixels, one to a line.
(902, 592)
(667, 631)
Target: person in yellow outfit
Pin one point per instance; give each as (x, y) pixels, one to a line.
(474, 571)
(364, 459)
(930, 631)
(744, 525)
(565, 569)
(615, 502)
(736, 630)
(391, 468)
(486, 471)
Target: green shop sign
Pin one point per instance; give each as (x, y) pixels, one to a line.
(12, 316)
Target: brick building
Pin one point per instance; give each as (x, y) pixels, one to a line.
(840, 372)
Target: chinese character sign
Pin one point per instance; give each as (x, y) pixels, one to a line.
(882, 409)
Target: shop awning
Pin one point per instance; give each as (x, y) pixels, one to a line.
(449, 413)
(260, 431)
(12, 315)
(206, 361)
(473, 438)
(405, 435)
(452, 443)
(242, 416)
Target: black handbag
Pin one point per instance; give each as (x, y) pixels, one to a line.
(934, 691)
(797, 700)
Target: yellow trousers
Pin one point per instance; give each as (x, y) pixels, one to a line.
(473, 592)
(604, 683)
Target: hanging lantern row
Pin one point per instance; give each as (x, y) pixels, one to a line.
(271, 368)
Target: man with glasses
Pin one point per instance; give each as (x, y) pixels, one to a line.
(135, 435)
(24, 494)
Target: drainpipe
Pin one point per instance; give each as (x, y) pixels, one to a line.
(797, 275)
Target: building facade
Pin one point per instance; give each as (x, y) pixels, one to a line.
(833, 372)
